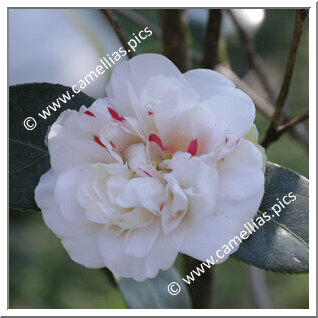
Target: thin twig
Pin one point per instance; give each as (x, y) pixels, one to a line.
(175, 36)
(271, 133)
(116, 27)
(254, 59)
(290, 124)
(211, 54)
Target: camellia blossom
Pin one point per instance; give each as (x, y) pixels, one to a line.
(167, 163)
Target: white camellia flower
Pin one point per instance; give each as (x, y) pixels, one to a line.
(162, 165)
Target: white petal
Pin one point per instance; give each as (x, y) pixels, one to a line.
(65, 194)
(137, 71)
(43, 192)
(117, 139)
(241, 176)
(203, 238)
(44, 196)
(252, 135)
(176, 102)
(241, 188)
(199, 124)
(233, 107)
(206, 82)
(161, 256)
(91, 193)
(139, 162)
(84, 250)
(134, 218)
(175, 207)
(71, 141)
(140, 241)
(153, 94)
(199, 182)
(143, 192)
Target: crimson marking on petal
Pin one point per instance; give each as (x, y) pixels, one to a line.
(150, 113)
(97, 140)
(226, 140)
(237, 141)
(193, 147)
(112, 144)
(155, 138)
(89, 113)
(145, 172)
(115, 115)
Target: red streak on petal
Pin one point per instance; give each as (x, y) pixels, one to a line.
(150, 113)
(155, 138)
(89, 113)
(97, 140)
(237, 141)
(145, 172)
(112, 144)
(193, 147)
(226, 140)
(115, 115)
(161, 206)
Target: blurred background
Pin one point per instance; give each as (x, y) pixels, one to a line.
(61, 46)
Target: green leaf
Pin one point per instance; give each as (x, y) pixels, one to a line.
(28, 155)
(153, 293)
(282, 243)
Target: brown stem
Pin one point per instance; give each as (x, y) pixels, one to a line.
(201, 289)
(211, 54)
(290, 124)
(116, 27)
(287, 126)
(271, 133)
(175, 36)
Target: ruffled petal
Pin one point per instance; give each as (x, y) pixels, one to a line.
(161, 257)
(140, 241)
(175, 206)
(65, 194)
(136, 72)
(143, 192)
(199, 182)
(234, 108)
(44, 197)
(71, 139)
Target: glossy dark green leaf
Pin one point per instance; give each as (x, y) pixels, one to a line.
(282, 243)
(28, 156)
(153, 293)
